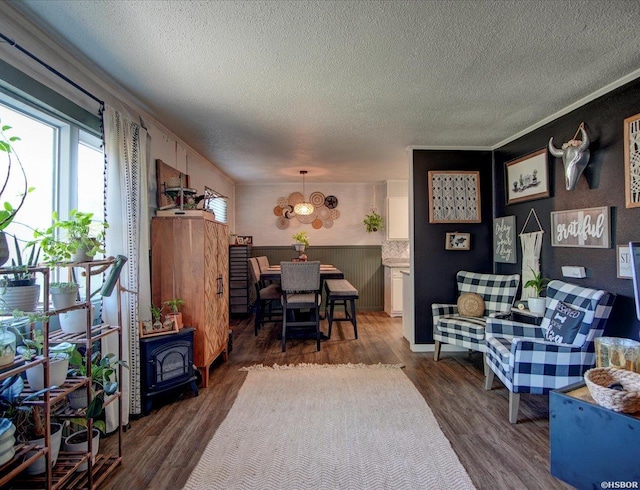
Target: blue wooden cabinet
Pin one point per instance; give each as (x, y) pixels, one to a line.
(591, 444)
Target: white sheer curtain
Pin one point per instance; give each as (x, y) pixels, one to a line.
(128, 234)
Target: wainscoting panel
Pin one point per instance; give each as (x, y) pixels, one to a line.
(362, 267)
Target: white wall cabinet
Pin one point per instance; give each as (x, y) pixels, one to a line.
(397, 218)
(393, 290)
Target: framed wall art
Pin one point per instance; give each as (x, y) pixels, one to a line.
(584, 228)
(624, 262)
(457, 241)
(632, 161)
(454, 196)
(527, 177)
(504, 240)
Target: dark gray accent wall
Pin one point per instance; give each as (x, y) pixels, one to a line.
(436, 267)
(601, 185)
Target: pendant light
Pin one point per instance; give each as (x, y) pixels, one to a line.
(303, 208)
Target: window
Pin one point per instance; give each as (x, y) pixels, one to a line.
(62, 162)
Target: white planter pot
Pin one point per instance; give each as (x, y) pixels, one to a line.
(7, 347)
(23, 298)
(537, 305)
(40, 465)
(83, 447)
(7, 441)
(78, 398)
(57, 373)
(75, 321)
(63, 297)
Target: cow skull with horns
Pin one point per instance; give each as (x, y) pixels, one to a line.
(575, 156)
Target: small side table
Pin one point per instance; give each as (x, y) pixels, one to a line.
(590, 444)
(526, 316)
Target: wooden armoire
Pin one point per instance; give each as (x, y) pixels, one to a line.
(189, 260)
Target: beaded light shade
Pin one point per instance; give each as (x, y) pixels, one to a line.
(303, 208)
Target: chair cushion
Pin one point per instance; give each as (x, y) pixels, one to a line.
(340, 288)
(296, 299)
(471, 304)
(564, 323)
(272, 291)
(467, 326)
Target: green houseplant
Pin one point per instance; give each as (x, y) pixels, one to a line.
(76, 239)
(302, 241)
(19, 289)
(8, 210)
(537, 304)
(175, 313)
(372, 221)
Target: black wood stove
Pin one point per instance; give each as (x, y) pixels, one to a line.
(166, 363)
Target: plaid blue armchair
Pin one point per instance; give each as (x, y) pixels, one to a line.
(527, 363)
(498, 293)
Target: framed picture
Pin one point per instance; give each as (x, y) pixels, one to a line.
(527, 177)
(632, 161)
(239, 240)
(457, 241)
(454, 196)
(244, 240)
(584, 228)
(624, 262)
(504, 240)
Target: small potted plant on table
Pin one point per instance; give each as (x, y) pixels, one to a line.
(537, 304)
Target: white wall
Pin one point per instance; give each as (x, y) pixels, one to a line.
(255, 217)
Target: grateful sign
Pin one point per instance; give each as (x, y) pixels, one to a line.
(587, 228)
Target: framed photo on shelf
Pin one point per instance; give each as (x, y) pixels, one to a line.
(244, 240)
(457, 241)
(632, 161)
(624, 262)
(454, 196)
(527, 178)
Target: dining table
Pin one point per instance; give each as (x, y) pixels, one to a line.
(327, 271)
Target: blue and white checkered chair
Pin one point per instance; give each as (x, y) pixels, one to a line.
(449, 327)
(527, 363)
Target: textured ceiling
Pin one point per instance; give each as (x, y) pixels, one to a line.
(266, 88)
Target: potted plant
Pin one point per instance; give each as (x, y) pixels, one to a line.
(19, 291)
(156, 312)
(58, 361)
(7, 345)
(302, 241)
(104, 383)
(76, 239)
(7, 210)
(7, 440)
(537, 304)
(29, 420)
(175, 305)
(372, 221)
(64, 294)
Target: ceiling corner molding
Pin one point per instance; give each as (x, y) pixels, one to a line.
(448, 148)
(579, 103)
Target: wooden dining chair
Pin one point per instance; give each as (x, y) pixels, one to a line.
(267, 307)
(300, 283)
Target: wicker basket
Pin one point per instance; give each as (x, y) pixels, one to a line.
(626, 400)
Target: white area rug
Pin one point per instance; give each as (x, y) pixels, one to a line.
(329, 427)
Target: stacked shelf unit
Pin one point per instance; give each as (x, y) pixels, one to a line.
(64, 474)
(239, 302)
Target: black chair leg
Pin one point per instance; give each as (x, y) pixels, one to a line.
(316, 314)
(284, 328)
(258, 315)
(353, 317)
(331, 307)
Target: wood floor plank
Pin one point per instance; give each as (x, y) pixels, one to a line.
(161, 450)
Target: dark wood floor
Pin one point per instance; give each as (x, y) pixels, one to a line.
(161, 450)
